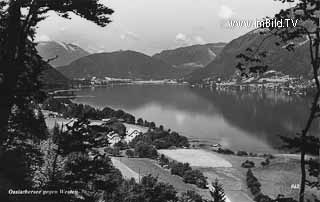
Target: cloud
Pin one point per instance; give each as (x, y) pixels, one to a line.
(199, 40)
(225, 12)
(130, 36)
(43, 38)
(183, 39)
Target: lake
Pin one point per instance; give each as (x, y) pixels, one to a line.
(251, 121)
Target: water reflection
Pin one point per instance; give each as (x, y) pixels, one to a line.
(240, 120)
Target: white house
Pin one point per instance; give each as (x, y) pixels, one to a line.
(131, 133)
(113, 138)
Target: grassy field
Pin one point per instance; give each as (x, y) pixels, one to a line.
(197, 158)
(275, 179)
(147, 166)
(125, 170)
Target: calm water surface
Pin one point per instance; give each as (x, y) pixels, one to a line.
(237, 120)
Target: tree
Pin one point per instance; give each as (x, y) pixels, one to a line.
(248, 164)
(130, 153)
(107, 112)
(152, 125)
(195, 177)
(163, 160)
(22, 125)
(179, 168)
(161, 127)
(86, 168)
(144, 150)
(19, 150)
(149, 190)
(118, 114)
(306, 14)
(218, 194)
(140, 122)
(253, 183)
(155, 191)
(129, 118)
(190, 196)
(20, 64)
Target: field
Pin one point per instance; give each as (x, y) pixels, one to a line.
(276, 178)
(146, 166)
(197, 158)
(125, 170)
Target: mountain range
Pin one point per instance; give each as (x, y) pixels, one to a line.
(120, 64)
(65, 53)
(191, 58)
(130, 64)
(279, 58)
(193, 63)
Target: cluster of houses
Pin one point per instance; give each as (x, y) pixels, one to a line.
(94, 81)
(115, 138)
(132, 131)
(271, 80)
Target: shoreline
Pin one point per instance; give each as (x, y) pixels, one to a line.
(228, 175)
(209, 148)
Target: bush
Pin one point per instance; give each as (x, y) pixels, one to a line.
(115, 151)
(161, 144)
(242, 153)
(269, 156)
(195, 177)
(121, 145)
(185, 171)
(190, 196)
(179, 168)
(73, 110)
(262, 198)
(140, 122)
(143, 150)
(225, 151)
(248, 164)
(253, 154)
(118, 127)
(265, 162)
(161, 139)
(130, 153)
(253, 183)
(163, 160)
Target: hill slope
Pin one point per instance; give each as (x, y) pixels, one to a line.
(66, 52)
(191, 57)
(121, 64)
(292, 63)
(52, 78)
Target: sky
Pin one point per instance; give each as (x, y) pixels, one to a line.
(150, 26)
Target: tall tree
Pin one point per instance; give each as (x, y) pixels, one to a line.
(305, 25)
(85, 167)
(218, 194)
(21, 122)
(20, 65)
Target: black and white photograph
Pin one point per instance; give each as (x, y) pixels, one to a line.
(159, 100)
